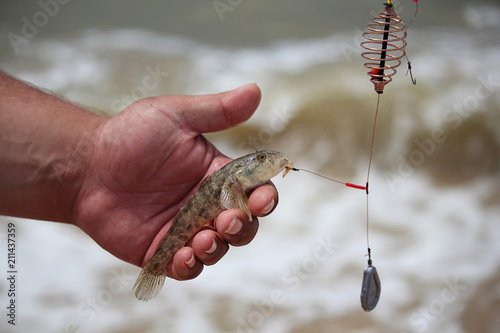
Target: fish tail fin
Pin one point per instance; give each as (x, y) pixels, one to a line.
(149, 283)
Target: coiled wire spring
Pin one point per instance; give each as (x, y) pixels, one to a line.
(385, 42)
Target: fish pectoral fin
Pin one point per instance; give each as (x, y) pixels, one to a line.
(233, 196)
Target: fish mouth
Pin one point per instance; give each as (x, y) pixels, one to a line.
(288, 167)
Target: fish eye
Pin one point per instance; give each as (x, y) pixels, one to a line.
(261, 156)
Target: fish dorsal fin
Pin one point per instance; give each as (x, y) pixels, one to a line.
(207, 179)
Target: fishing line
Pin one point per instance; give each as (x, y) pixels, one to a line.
(368, 177)
(359, 187)
(414, 14)
(414, 81)
(385, 46)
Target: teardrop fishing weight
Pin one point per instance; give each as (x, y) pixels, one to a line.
(370, 288)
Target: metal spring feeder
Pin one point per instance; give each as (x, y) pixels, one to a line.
(385, 42)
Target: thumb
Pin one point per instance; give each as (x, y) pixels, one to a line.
(211, 113)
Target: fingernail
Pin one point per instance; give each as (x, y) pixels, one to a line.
(268, 207)
(213, 248)
(234, 227)
(190, 263)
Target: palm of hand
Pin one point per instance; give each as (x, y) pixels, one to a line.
(143, 177)
(146, 163)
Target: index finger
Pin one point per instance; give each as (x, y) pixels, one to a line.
(263, 200)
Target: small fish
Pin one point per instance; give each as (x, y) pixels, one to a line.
(224, 189)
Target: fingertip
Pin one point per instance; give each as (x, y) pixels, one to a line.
(263, 200)
(233, 225)
(185, 265)
(241, 103)
(215, 112)
(209, 247)
(250, 90)
(268, 208)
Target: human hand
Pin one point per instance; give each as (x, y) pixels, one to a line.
(147, 161)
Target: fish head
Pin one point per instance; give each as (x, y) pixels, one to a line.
(259, 167)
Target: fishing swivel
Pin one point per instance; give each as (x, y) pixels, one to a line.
(413, 80)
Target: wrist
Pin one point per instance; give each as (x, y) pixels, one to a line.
(68, 171)
(45, 148)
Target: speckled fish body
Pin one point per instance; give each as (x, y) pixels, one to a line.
(224, 189)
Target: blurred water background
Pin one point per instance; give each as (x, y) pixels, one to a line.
(435, 195)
